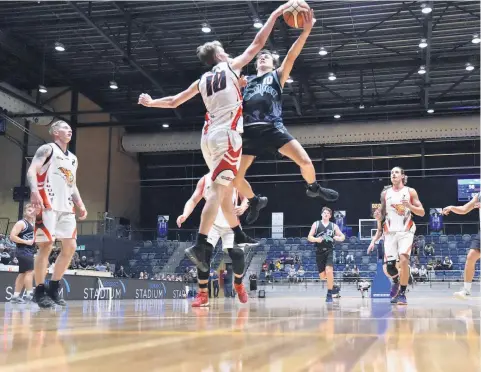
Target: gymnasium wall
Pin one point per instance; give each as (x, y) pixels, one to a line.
(92, 152)
(280, 180)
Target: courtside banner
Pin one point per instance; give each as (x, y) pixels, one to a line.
(76, 287)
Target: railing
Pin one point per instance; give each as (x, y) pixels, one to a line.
(450, 228)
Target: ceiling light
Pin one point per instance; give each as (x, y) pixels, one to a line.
(469, 67)
(423, 43)
(113, 85)
(426, 8)
(257, 23)
(206, 28)
(337, 116)
(361, 106)
(165, 125)
(323, 51)
(59, 47)
(430, 111)
(422, 70)
(332, 76)
(42, 89)
(289, 80)
(275, 55)
(476, 39)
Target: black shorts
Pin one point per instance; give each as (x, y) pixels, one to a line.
(259, 139)
(323, 259)
(25, 263)
(475, 243)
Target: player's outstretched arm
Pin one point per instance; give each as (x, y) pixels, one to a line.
(259, 41)
(286, 67)
(464, 209)
(42, 154)
(171, 101)
(192, 202)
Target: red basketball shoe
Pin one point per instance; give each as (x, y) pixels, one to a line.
(241, 292)
(201, 300)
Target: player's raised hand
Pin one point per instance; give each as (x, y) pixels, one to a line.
(309, 20)
(180, 220)
(447, 210)
(145, 100)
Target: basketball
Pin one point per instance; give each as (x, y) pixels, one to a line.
(293, 16)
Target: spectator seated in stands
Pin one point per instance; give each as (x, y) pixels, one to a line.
(429, 249)
(4, 255)
(289, 260)
(415, 272)
(83, 263)
(107, 267)
(141, 275)
(355, 273)
(342, 260)
(278, 265)
(423, 274)
(265, 267)
(447, 263)
(14, 261)
(121, 273)
(300, 274)
(292, 274)
(297, 260)
(272, 267)
(438, 265)
(349, 258)
(101, 267)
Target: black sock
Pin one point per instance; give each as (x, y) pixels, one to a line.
(313, 186)
(53, 286)
(40, 289)
(254, 200)
(237, 280)
(237, 230)
(403, 289)
(201, 238)
(395, 280)
(329, 292)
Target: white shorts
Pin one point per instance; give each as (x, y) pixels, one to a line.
(222, 150)
(51, 225)
(396, 244)
(224, 233)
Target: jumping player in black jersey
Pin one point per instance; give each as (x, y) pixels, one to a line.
(23, 235)
(323, 233)
(263, 126)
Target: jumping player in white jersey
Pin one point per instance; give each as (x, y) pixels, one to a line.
(221, 137)
(53, 185)
(220, 230)
(264, 131)
(398, 203)
(473, 254)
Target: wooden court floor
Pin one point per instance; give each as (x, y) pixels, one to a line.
(273, 334)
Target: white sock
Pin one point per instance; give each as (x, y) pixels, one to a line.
(30, 293)
(467, 286)
(16, 294)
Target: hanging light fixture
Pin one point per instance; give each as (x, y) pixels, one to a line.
(332, 76)
(422, 70)
(59, 47)
(206, 28)
(323, 51)
(423, 43)
(257, 23)
(42, 89)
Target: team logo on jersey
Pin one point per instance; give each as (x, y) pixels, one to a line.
(399, 208)
(69, 178)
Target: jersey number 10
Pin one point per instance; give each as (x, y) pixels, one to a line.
(215, 83)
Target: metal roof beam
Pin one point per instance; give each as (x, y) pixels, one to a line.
(124, 54)
(473, 14)
(395, 85)
(454, 85)
(403, 7)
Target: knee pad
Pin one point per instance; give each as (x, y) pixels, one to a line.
(238, 260)
(391, 268)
